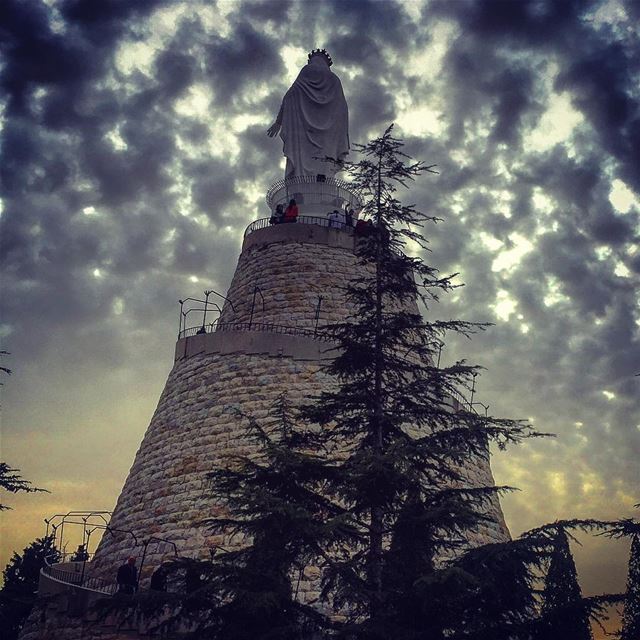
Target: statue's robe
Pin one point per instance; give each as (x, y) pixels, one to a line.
(315, 121)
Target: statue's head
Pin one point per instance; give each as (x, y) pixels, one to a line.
(322, 53)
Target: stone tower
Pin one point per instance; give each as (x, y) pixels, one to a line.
(267, 339)
(288, 282)
(287, 285)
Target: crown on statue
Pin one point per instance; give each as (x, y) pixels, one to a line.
(321, 52)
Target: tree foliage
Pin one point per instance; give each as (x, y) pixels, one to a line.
(405, 443)
(564, 614)
(630, 529)
(12, 481)
(5, 369)
(370, 485)
(274, 502)
(631, 617)
(21, 576)
(279, 523)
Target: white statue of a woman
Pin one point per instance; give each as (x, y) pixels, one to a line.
(313, 120)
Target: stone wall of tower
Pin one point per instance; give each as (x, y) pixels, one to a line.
(196, 425)
(292, 266)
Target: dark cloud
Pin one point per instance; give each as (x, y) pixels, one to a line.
(247, 56)
(531, 22)
(212, 186)
(372, 98)
(603, 84)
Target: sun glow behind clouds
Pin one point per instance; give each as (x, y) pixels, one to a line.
(556, 124)
(197, 102)
(427, 62)
(507, 260)
(294, 59)
(504, 305)
(554, 294)
(421, 120)
(621, 197)
(134, 56)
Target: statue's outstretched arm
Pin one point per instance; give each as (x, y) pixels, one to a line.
(274, 129)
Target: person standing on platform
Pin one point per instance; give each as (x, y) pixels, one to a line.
(291, 212)
(128, 577)
(277, 217)
(348, 217)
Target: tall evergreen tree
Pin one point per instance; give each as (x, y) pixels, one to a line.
(564, 612)
(21, 577)
(403, 441)
(630, 529)
(631, 616)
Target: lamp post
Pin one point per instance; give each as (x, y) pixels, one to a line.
(473, 389)
(256, 290)
(315, 328)
(204, 315)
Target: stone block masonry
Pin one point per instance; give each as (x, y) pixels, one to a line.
(196, 424)
(292, 276)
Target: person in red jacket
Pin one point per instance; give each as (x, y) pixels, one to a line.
(291, 212)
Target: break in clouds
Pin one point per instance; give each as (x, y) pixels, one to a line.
(134, 154)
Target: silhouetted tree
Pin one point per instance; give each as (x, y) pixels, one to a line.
(274, 500)
(564, 614)
(403, 441)
(631, 616)
(5, 369)
(12, 481)
(281, 523)
(21, 576)
(630, 529)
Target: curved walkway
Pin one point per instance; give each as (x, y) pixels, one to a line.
(303, 345)
(308, 229)
(59, 577)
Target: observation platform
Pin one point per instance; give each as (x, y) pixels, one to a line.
(308, 229)
(314, 194)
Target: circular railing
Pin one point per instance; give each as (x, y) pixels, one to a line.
(216, 327)
(320, 221)
(77, 577)
(281, 191)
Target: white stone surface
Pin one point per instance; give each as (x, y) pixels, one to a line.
(313, 121)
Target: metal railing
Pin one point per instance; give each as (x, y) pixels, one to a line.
(281, 191)
(320, 221)
(79, 579)
(214, 327)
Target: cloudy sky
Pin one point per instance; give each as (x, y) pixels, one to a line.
(134, 154)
